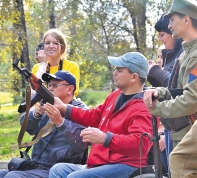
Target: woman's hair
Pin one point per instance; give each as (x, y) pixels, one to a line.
(60, 37)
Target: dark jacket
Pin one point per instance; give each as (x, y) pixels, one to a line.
(63, 144)
(158, 77)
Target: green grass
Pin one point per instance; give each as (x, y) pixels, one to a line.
(9, 131)
(9, 121)
(6, 97)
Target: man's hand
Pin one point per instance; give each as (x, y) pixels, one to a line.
(60, 106)
(53, 113)
(93, 135)
(149, 100)
(39, 110)
(162, 144)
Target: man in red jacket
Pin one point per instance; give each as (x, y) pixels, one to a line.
(114, 128)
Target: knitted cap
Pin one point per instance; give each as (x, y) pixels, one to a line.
(162, 24)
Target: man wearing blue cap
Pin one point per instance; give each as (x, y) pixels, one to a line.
(64, 143)
(183, 24)
(115, 127)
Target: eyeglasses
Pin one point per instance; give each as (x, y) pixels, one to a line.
(55, 85)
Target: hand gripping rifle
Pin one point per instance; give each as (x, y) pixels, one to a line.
(42, 93)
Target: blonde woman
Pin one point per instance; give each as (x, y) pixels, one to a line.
(53, 57)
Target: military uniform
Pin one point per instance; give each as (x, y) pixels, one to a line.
(183, 159)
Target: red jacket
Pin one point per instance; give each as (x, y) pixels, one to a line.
(127, 124)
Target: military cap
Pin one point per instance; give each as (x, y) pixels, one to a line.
(185, 7)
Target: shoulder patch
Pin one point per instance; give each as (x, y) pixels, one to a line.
(192, 75)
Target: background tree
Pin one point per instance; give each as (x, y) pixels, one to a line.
(95, 29)
(51, 14)
(20, 33)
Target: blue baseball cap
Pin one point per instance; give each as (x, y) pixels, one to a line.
(60, 75)
(133, 61)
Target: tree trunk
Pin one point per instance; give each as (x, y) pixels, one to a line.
(51, 14)
(137, 11)
(141, 23)
(20, 31)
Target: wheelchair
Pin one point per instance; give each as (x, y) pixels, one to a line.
(155, 168)
(148, 172)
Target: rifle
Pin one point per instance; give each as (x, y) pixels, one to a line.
(42, 93)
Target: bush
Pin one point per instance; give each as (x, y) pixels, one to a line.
(83, 95)
(92, 98)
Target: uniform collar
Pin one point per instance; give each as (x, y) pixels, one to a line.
(189, 45)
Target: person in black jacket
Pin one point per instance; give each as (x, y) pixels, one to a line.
(64, 143)
(158, 77)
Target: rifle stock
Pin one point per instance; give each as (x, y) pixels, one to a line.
(42, 93)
